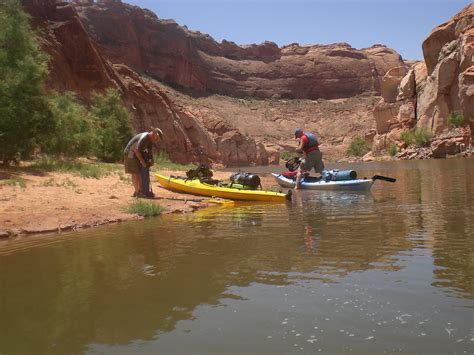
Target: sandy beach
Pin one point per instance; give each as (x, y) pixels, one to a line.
(54, 202)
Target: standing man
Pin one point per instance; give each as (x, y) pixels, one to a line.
(138, 159)
(313, 158)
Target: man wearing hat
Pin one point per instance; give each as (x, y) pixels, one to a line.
(312, 158)
(138, 159)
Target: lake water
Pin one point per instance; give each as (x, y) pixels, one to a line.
(389, 271)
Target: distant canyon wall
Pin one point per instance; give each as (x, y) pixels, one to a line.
(192, 60)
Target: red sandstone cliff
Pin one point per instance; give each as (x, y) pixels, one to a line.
(192, 60)
(424, 95)
(237, 131)
(78, 65)
(219, 129)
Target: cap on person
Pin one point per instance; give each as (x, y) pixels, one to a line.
(298, 132)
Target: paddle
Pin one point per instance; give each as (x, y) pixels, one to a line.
(383, 178)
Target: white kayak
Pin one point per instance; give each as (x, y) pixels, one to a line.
(313, 183)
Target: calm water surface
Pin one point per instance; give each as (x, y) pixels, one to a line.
(391, 271)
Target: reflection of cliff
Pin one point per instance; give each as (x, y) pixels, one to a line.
(115, 289)
(447, 207)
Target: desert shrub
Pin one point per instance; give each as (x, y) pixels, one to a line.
(358, 147)
(455, 119)
(419, 137)
(114, 127)
(407, 137)
(392, 149)
(286, 155)
(143, 208)
(25, 116)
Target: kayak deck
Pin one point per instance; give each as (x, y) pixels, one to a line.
(343, 185)
(196, 187)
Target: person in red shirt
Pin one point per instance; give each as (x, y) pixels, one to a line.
(312, 156)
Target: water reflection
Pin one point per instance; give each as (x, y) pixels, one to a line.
(138, 281)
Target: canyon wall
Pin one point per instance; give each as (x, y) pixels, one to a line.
(424, 95)
(173, 54)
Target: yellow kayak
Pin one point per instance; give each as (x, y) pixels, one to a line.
(196, 187)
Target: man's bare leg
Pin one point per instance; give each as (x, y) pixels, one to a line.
(136, 181)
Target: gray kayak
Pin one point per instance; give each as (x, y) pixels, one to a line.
(312, 183)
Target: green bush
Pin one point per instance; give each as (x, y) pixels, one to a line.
(114, 127)
(407, 137)
(455, 119)
(145, 209)
(392, 149)
(76, 130)
(423, 137)
(358, 147)
(25, 116)
(286, 155)
(419, 137)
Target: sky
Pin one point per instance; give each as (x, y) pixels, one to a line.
(398, 24)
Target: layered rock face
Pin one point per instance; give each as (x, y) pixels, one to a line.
(191, 60)
(240, 132)
(78, 65)
(428, 92)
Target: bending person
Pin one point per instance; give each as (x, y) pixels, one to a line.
(138, 159)
(312, 156)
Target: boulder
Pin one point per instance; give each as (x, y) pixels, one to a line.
(386, 116)
(448, 146)
(407, 87)
(390, 83)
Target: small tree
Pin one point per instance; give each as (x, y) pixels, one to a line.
(25, 117)
(114, 128)
(76, 130)
(358, 147)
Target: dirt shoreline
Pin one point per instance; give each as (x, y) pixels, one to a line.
(55, 202)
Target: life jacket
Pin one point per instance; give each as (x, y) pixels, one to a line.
(290, 174)
(311, 144)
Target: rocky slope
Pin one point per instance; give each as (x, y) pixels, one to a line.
(424, 95)
(192, 60)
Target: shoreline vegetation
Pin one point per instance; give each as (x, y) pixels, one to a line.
(50, 195)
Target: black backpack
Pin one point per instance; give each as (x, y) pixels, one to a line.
(202, 171)
(247, 180)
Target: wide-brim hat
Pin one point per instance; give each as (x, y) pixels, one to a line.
(157, 131)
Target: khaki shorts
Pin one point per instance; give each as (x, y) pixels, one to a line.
(132, 165)
(312, 160)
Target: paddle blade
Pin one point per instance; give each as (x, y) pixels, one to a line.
(383, 178)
